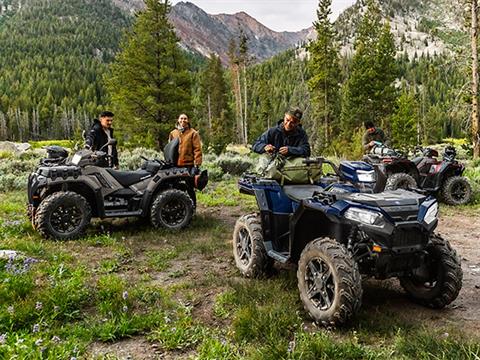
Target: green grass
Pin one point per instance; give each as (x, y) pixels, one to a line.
(182, 292)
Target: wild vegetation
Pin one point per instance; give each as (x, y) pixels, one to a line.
(227, 106)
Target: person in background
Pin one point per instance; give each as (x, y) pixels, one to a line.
(371, 136)
(100, 133)
(190, 145)
(288, 137)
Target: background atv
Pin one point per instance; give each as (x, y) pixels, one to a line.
(443, 177)
(336, 237)
(393, 169)
(64, 194)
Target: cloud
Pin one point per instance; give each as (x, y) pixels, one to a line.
(278, 15)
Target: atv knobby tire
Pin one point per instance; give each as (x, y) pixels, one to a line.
(248, 249)
(172, 209)
(456, 190)
(63, 215)
(400, 181)
(445, 276)
(329, 282)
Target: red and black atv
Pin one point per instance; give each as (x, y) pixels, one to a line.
(443, 177)
(393, 169)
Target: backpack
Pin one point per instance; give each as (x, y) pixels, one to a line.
(290, 170)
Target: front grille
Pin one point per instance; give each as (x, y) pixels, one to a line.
(411, 236)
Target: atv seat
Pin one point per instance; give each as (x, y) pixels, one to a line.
(417, 160)
(300, 192)
(127, 178)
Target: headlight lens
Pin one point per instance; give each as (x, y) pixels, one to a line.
(431, 214)
(366, 176)
(367, 217)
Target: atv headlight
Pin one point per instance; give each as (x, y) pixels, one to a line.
(431, 214)
(364, 216)
(366, 176)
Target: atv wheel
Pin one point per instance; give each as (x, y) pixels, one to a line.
(456, 191)
(439, 283)
(248, 250)
(400, 181)
(172, 209)
(63, 215)
(329, 282)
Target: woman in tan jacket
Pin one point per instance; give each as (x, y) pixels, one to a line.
(190, 145)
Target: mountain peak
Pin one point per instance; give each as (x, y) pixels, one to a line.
(205, 33)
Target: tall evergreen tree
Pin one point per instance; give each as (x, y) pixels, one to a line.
(149, 83)
(325, 78)
(218, 127)
(404, 121)
(369, 93)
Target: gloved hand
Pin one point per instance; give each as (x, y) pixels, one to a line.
(195, 170)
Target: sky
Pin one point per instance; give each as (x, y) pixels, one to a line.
(278, 15)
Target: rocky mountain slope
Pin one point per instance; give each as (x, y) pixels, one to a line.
(419, 27)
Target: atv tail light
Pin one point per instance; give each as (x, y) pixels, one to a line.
(435, 168)
(364, 216)
(377, 248)
(431, 214)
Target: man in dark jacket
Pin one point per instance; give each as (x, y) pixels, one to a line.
(99, 134)
(288, 137)
(372, 135)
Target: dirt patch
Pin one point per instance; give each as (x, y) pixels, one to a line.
(137, 348)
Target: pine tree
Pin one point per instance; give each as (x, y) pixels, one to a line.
(369, 93)
(324, 83)
(404, 121)
(218, 129)
(149, 83)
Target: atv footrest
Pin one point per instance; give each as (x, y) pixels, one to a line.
(280, 257)
(122, 213)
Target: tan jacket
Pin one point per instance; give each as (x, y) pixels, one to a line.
(190, 147)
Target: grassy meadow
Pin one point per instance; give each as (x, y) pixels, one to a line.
(171, 295)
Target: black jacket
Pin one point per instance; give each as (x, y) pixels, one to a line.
(296, 140)
(96, 138)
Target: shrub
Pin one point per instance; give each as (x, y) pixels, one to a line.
(234, 164)
(131, 159)
(69, 144)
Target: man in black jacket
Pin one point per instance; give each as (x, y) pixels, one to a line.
(99, 134)
(288, 137)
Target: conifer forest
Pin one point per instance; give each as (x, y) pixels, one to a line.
(77, 58)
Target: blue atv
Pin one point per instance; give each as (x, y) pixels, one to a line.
(335, 236)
